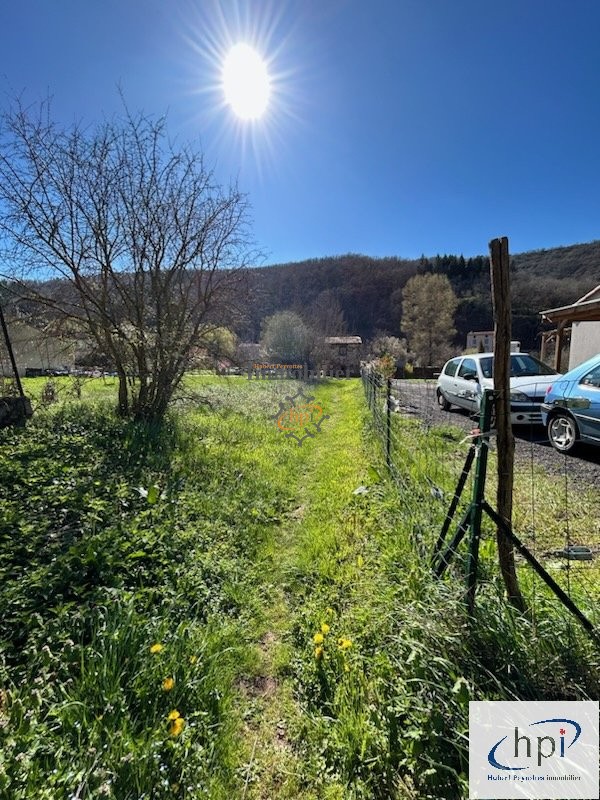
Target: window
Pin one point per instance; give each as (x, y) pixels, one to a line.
(592, 378)
(468, 369)
(451, 367)
(524, 364)
(487, 367)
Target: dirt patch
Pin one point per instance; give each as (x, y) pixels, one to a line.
(268, 640)
(298, 513)
(263, 686)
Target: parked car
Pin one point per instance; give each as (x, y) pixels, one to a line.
(571, 408)
(462, 380)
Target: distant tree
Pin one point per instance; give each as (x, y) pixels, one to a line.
(385, 365)
(428, 307)
(222, 342)
(326, 315)
(388, 354)
(384, 345)
(286, 338)
(146, 246)
(218, 346)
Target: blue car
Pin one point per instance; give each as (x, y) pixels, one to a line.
(571, 407)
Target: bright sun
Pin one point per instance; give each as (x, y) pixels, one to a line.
(246, 82)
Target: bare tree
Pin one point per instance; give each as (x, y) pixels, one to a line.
(326, 315)
(147, 248)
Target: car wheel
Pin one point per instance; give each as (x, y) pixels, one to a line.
(563, 433)
(442, 402)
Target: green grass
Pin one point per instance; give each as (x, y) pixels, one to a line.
(115, 537)
(233, 548)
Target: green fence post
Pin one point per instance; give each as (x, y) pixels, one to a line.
(388, 424)
(485, 417)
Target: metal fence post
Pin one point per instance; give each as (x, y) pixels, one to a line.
(388, 424)
(478, 495)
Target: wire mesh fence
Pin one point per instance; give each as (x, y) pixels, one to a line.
(556, 497)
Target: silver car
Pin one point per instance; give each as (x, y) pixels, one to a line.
(463, 379)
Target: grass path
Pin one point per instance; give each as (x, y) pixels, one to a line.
(327, 469)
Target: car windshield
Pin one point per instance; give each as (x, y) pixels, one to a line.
(521, 364)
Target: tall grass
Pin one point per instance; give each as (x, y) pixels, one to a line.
(116, 537)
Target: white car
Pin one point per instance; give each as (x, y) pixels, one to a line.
(463, 379)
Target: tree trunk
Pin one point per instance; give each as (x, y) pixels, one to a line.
(123, 406)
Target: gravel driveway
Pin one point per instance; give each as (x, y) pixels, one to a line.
(419, 398)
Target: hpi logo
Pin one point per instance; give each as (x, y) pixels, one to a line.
(299, 417)
(546, 745)
(528, 749)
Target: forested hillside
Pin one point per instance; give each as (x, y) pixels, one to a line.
(369, 290)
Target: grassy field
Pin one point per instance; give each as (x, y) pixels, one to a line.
(210, 610)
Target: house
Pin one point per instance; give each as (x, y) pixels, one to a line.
(583, 320)
(480, 341)
(483, 342)
(343, 353)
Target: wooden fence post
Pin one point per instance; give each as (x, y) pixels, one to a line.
(11, 355)
(500, 280)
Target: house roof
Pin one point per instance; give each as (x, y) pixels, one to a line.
(593, 295)
(343, 340)
(586, 309)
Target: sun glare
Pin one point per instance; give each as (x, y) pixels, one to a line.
(246, 82)
(245, 78)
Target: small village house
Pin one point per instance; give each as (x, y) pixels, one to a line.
(342, 354)
(483, 342)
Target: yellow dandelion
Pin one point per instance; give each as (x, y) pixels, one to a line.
(318, 653)
(168, 684)
(193, 659)
(325, 628)
(318, 638)
(176, 726)
(173, 715)
(156, 648)
(345, 644)
(329, 612)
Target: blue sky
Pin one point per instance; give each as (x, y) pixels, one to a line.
(394, 127)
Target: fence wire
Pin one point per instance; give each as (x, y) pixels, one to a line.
(556, 497)
(425, 459)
